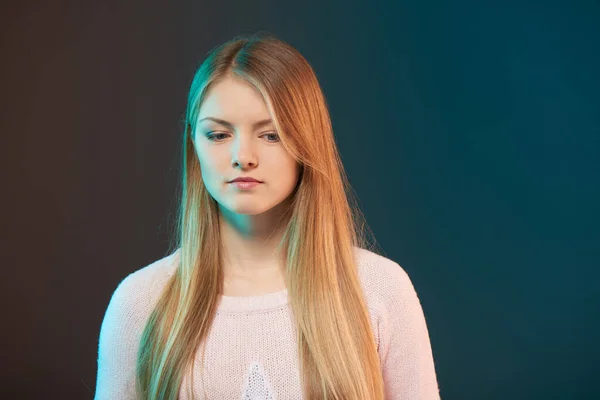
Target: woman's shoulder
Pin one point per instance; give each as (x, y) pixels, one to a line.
(376, 268)
(148, 278)
(157, 270)
(136, 294)
(124, 321)
(381, 277)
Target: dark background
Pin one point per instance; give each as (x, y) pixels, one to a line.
(470, 131)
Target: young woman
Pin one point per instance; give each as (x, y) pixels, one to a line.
(270, 289)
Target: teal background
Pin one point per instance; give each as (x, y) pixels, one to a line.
(470, 131)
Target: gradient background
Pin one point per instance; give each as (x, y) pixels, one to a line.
(470, 131)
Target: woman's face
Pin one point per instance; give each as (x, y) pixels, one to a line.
(242, 143)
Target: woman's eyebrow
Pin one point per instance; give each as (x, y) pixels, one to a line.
(256, 125)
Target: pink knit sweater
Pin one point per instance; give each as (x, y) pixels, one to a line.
(251, 349)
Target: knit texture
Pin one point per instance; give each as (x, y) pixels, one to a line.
(251, 347)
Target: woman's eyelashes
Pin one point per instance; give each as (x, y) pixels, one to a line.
(214, 137)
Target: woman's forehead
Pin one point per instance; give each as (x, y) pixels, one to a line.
(233, 103)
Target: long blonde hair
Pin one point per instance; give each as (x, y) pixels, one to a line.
(338, 354)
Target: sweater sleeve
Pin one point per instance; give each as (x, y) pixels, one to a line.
(407, 359)
(120, 334)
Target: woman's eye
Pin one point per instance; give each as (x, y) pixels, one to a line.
(212, 136)
(273, 134)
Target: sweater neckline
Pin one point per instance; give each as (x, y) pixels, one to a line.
(264, 302)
